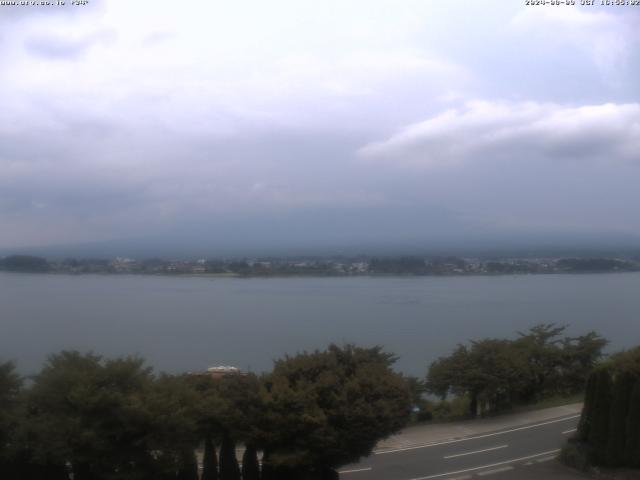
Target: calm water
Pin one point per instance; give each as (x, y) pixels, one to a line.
(191, 323)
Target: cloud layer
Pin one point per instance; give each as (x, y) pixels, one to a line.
(128, 119)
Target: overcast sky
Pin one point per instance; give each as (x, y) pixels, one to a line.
(364, 119)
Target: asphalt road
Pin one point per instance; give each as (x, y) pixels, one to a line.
(479, 456)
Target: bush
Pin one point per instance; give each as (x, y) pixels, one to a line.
(575, 454)
(609, 427)
(424, 416)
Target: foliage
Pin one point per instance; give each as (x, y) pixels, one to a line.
(209, 460)
(328, 408)
(110, 418)
(24, 263)
(574, 454)
(87, 417)
(10, 385)
(229, 468)
(250, 465)
(632, 444)
(580, 265)
(609, 427)
(496, 374)
(188, 466)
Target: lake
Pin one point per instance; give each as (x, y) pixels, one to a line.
(190, 323)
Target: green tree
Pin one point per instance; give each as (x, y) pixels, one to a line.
(609, 428)
(489, 372)
(328, 408)
(586, 418)
(188, 467)
(171, 404)
(599, 428)
(498, 373)
(250, 465)
(541, 349)
(578, 357)
(110, 419)
(229, 468)
(632, 447)
(616, 441)
(210, 460)
(10, 419)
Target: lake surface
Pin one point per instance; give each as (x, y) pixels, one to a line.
(189, 323)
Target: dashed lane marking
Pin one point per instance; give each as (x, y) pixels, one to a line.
(495, 470)
(466, 439)
(513, 460)
(571, 430)
(476, 451)
(356, 470)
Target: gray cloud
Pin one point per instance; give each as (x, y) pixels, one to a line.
(514, 131)
(382, 120)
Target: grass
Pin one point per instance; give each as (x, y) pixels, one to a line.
(557, 401)
(457, 409)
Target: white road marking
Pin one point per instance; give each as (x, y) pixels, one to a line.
(466, 439)
(513, 460)
(545, 459)
(355, 470)
(495, 470)
(571, 430)
(476, 451)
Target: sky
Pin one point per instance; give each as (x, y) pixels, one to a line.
(306, 123)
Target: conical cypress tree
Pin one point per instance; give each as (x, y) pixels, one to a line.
(622, 388)
(210, 460)
(599, 429)
(46, 471)
(250, 465)
(229, 468)
(330, 474)
(188, 466)
(586, 419)
(266, 473)
(632, 446)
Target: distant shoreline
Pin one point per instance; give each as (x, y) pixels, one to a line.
(310, 275)
(400, 266)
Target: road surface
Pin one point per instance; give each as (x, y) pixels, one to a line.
(473, 457)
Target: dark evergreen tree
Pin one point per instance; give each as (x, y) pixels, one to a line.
(10, 388)
(586, 419)
(330, 474)
(229, 468)
(599, 429)
(632, 446)
(210, 460)
(267, 471)
(188, 466)
(250, 465)
(622, 388)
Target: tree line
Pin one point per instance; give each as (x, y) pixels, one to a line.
(91, 418)
(498, 374)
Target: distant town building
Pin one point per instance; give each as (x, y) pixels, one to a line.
(220, 371)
